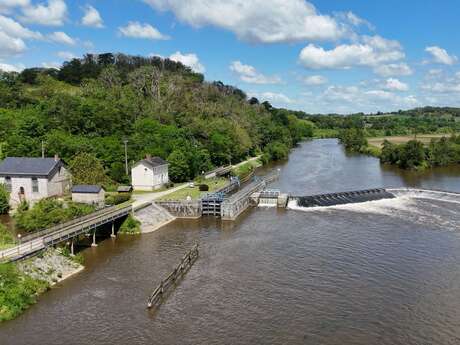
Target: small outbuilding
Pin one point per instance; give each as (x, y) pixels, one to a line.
(150, 173)
(124, 189)
(89, 194)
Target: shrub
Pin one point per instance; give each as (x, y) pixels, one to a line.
(49, 212)
(117, 199)
(6, 238)
(130, 226)
(17, 291)
(4, 200)
(204, 187)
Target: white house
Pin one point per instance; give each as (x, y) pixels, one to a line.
(149, 174)
(32, 179)
(89, 194)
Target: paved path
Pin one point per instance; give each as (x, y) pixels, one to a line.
(143, 198)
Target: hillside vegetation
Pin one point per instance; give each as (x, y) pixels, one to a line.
(160, 107)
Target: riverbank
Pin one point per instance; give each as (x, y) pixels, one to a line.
(21, 283)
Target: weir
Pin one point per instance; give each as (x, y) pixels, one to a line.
(333, 199)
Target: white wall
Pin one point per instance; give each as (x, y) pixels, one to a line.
(59, 183)
(90, 198)
(145, 178)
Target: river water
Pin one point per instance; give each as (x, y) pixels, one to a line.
(384, 272)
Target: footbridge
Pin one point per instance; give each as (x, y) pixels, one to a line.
(66, 232)
(333, 199)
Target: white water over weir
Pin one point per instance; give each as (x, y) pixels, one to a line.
(368, 197)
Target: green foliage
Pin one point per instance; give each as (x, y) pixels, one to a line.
(117, 199)
(89, 106)
(87, 169)
(130, 226)
(353, 139)
(4, 200)
(6, 238)
(276, 151)
(178, 168)
(49, 212)
(17, 291)
(414, 155)
(203, 187)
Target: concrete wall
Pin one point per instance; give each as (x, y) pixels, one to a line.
(146, 178)
(90, 198)
(183, 209)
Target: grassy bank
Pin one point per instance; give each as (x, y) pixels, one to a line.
(194, 192)
(22, 282)
(6, 238)
(17, 291)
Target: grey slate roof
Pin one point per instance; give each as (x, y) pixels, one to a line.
(25, 166)
(86, 189)
(124, 189)
(153, 162)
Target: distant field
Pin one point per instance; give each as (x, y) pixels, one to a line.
(424, 138)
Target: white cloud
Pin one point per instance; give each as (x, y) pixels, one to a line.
(7, 5)
(263, 21)
(249, 74)
(351, 99)
(441, 56)
(138, 30)
(10, 46)
(393, 84)
(372, 52)
(315, 80)
(14, 29)
(55, 65)
(62, 37)
(53, 13)
(190, 60)
(11, 68)
(273, 97)
(393, 70)
(354, 20)
(92, 18)
(66, 55)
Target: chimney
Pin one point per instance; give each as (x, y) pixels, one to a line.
(56, 157)
(148, 156)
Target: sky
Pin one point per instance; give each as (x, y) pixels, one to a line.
(319, 56)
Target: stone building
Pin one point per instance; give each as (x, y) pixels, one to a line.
(32, 179)
(89, 194)
(149, 174)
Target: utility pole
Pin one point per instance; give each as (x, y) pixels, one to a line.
(43, 149)
(125, 141)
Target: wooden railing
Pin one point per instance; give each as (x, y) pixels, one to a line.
(173, 278)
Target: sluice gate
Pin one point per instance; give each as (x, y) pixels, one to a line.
(333, 199)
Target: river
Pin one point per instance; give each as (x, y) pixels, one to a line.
(384, 272)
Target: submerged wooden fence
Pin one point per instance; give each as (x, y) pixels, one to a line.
(165, 285)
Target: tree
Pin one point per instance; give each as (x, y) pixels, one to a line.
(178, 168)
(4, 200)
(87, 169)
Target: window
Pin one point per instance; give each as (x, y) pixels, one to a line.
(34, 185)
(8, 184)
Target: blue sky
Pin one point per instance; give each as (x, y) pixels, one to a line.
(317, 56)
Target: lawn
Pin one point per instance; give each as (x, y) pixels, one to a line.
(194, 192)
(424, 138)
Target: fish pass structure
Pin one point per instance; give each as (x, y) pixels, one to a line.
(333, 199)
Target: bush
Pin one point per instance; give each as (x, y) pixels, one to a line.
(17, 291)
(117, 199)
(49, 212)
(203, 187)
(6, 238)
(130, 226)
(4, 200)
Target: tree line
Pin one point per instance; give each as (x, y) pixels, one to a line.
(160, 107)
